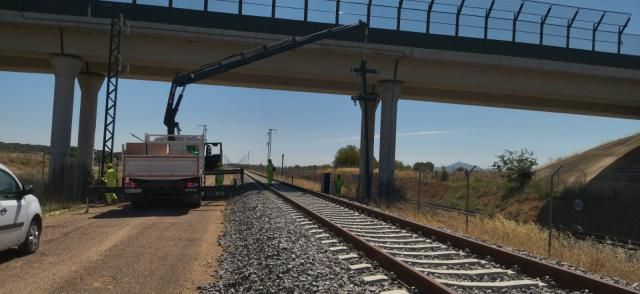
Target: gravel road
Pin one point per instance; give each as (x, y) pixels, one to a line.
(117, 249)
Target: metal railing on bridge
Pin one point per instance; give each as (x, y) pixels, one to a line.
(532, 22)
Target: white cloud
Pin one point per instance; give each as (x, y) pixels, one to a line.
(408, 134)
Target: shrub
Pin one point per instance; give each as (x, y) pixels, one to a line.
(444, 174)
(516, 167)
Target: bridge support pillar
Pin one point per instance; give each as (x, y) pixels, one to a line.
(370, 109)
(90, 84)
(65, 70)
(390, 93)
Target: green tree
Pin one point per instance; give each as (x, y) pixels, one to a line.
(516, 167)
(424, 166)
(348, 156)
(444, 175)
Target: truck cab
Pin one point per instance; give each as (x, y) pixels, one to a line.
(212, 157)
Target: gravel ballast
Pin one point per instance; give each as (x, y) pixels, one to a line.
(266, 250)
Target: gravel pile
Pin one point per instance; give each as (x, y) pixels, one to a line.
(266, 251)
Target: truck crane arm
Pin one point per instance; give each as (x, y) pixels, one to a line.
(181, 80)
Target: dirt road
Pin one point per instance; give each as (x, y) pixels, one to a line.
(119, 249)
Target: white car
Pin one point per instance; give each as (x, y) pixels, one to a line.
(20, 214)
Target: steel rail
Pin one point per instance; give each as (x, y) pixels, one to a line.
(564, 278)
(405, 273)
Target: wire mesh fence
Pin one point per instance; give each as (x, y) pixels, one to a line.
(532, 22)
(33, 169)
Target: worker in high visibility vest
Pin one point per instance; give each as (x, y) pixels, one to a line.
(111, 180)
(270, 170)
(338, 182)
(219, 180)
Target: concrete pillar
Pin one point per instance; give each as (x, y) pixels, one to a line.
(390, 92)
(90, 84)
(65, 69)
(371, 113)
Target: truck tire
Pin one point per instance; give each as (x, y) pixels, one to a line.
(195, 201)
(138, 204)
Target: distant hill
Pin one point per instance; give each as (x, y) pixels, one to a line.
(23, 148)
(31, 148)
(455, 166)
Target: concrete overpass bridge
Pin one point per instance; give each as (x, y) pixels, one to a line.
(532, 55)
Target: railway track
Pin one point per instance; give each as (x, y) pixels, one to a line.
(432, 260)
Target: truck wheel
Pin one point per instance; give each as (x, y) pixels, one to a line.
(195, 201)
(138, 204)
(32, 239)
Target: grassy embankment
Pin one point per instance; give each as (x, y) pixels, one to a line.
(29, 168)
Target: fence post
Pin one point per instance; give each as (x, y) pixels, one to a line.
(515, 22)
(487, 15)
(306, 10)
(44, 162)
(467, 173)
(555, 173)
(419, 187)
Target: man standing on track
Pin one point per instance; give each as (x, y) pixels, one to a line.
(111, 179)
(270, 170)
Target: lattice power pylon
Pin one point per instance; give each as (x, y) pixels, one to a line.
(115, 62)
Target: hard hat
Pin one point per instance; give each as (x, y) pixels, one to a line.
(109, 165)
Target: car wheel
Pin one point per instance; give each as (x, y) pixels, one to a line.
(32, 240)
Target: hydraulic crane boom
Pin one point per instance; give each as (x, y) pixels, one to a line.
(237, 60)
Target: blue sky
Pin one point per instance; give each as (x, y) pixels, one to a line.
(311, 127)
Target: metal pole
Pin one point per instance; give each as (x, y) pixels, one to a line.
(369, 13)
(486, 19)
(399, 15)
(44, 161)
(543, 20)
(595, 30)
(206, 5)
(458, 17)
(515, 22)
(282, 167)
(240, 7)
(306, 10)
(367, 162)
(551, 209)
(620, 31)
(467, 173)
(570, 25)
(338, 12)
(273, 8)
(429, 9)
(419, 187)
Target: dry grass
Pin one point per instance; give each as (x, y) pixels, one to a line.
(592, 256)
(526, 236)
